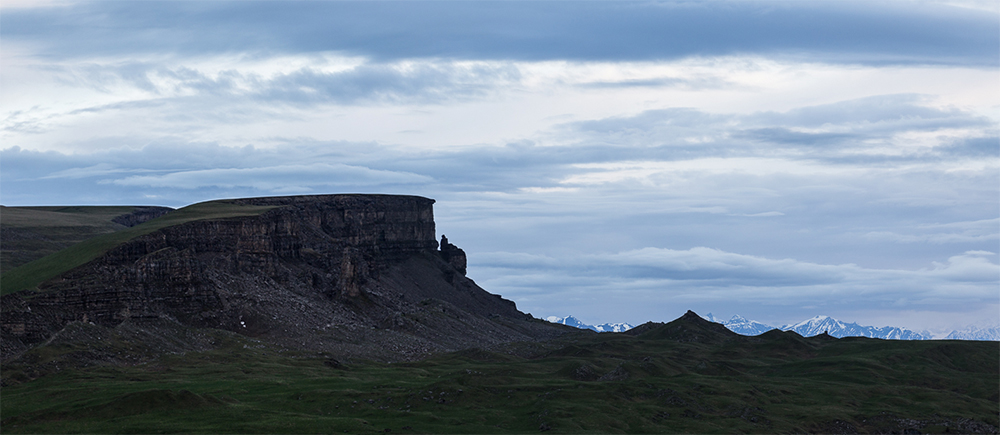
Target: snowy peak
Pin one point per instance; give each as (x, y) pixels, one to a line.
(807, 328)
(743, 326)
(740, 325)
(820, 324)
(613, 327)
(815, 322)
(576, 323)
(975, 333)
(569, 321)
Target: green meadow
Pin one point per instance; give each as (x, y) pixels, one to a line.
(687, 376)
(29, 233)
(581, 383)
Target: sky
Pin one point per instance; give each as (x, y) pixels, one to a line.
(617, 161)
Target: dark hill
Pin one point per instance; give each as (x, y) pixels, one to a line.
(351, 275)
(688, 328)
(659, 381)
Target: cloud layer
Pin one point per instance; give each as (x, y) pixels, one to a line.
(619, 161)
(919, 32)
(652, 280)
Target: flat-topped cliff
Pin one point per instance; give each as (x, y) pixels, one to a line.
(358, 275)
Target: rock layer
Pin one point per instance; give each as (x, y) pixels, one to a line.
(139, 215)
(357, 275)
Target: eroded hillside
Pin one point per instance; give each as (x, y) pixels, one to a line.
(353, 275)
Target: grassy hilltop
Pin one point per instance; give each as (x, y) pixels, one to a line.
(79, 252)
(687, 376)
(30, 233)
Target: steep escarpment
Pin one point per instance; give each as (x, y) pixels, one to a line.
(354, 275)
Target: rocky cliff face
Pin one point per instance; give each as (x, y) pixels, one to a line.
(453, 255)
(140, 215)
(358, 275)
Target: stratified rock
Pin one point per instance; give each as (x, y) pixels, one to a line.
(356, 275)
(140, 214)
(454, 255)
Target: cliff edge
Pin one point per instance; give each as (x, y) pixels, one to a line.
(352, 275)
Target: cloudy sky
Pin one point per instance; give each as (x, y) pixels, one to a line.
(618, 161)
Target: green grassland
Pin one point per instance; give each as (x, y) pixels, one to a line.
(687, 376)
(30, 275)
(62, 216)
(29, 233)
(581, 383)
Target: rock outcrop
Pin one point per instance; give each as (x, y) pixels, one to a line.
(454, 255)
(355, 275)
(140, 214)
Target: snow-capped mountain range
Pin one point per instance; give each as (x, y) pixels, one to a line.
(974, 333)
(741, 325)
(605, 327)
(807, 328)
(819, 324)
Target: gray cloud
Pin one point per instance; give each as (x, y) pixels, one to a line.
(707, 267)
(785, 136)
(985, 230)
(424, 83)
(651, 136)
(789, 228)
(889, 33)
(672, 82)
(875, 110)
(843, 131)
(988, 146)
(369, 83)
(887, 202)
(279, 178)
(638, 285)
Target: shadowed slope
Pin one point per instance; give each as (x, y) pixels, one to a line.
(688, 328)
(353, 275)
(580, 382)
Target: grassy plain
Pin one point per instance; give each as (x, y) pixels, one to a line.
(32, 274)
(582, 383)
(687, 376)
(29, 233)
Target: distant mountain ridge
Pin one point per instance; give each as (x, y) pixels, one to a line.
(741, 325)
(975, 333)
(576, 323)
(807, 328)
(820, 324)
